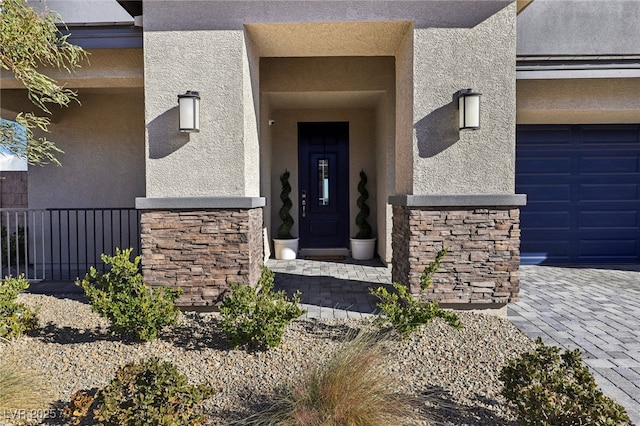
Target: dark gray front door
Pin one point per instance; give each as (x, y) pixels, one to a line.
(323, 161)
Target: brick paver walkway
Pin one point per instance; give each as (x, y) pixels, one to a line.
(332, 289)
(594, 309)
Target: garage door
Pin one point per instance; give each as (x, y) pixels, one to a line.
(582, 184)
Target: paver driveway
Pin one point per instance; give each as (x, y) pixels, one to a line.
(595, 309)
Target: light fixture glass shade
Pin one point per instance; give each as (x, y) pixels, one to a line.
(189, 105)
(469, 109)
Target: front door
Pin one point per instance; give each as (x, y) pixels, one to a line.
(323, 162)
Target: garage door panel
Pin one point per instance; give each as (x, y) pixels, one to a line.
(541, 251)
(544, 220)
(613, 249)
(609, 220)
(547, 192)
(590, 135)
(548, 135)
(583, 195)
(609, 192)
(608, 165)
(537, 166)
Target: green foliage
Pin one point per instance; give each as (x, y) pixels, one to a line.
(37, 151)
(284, 231)
(351, 388)
(15, 249)
(258, 319)
(407, 313)
(146, 393)
(30, 39)
(548, 388)
(364, 229)
(432, 268)
(15, 318)
(121, 296)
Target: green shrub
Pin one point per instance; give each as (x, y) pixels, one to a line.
(364, 229)
(351, 388)
(121, 296)
(407, 313)
(15, 318)
(146, 393)
(549, 388)
(258, 319)
(284, 230)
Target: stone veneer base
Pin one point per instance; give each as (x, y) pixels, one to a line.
(201, 250)
(481, 266)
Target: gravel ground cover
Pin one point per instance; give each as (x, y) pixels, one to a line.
(450, 374)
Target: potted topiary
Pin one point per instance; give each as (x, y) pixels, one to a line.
(362, 245)
(285, 245)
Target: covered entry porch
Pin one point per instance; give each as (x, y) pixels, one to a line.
(315, 80)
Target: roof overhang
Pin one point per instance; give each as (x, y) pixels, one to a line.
(133, 7)
(576, 67)
(172, 15)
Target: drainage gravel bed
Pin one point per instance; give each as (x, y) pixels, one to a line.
(451, 374)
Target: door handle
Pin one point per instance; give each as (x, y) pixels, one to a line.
(303, 197)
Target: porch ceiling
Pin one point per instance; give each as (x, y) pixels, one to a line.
(328, 38)
(324, 100)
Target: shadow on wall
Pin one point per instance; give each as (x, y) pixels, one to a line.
(164, 136)
(437, 131)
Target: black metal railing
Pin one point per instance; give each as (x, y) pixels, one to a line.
(62, 244)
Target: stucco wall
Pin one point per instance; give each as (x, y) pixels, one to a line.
(385, 166)
(579, 27)
(578, 101)
(446, 160)
(103, 160)
(212, 162)
(404, 116)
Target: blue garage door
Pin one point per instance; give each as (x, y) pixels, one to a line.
(583, 202)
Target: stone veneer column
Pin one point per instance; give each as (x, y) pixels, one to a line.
(201, 245)
(482, 235)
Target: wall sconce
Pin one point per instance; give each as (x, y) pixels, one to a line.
(469, 109)
(189, 105)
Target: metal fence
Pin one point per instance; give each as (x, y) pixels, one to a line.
(62, 244)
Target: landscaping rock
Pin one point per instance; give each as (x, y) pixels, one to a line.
(451, 375)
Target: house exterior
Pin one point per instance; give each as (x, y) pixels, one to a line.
(578, 140)
(389, 70)
(323, 90)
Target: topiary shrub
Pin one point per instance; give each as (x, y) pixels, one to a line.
(548, 388)
(407, 313)
(364, 229)
(284, 231)
(146, 393)
(15, 318)
(258, 319)
(120, 295)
